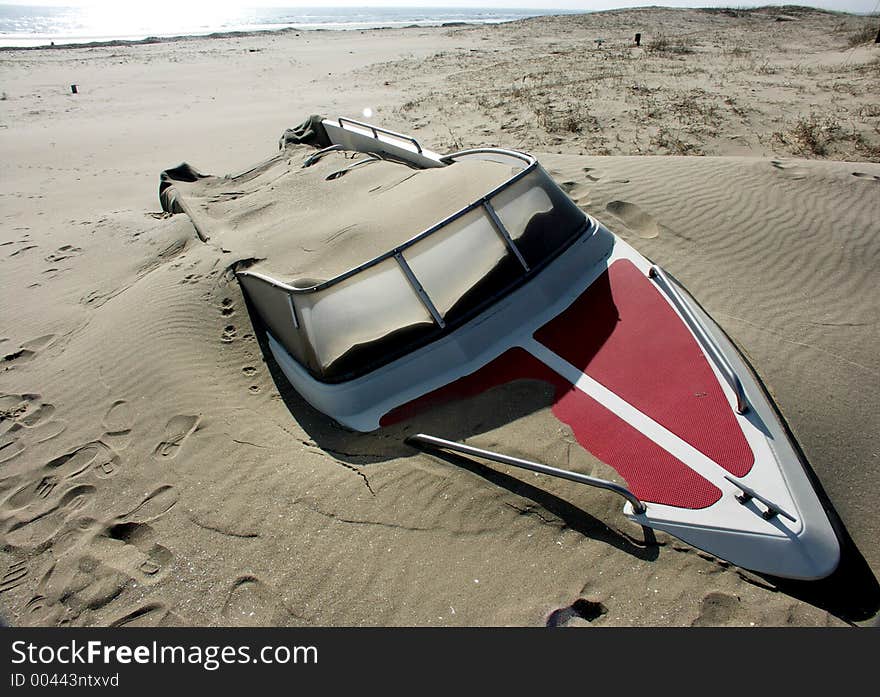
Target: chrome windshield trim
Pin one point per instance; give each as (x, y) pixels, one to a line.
(530, 163)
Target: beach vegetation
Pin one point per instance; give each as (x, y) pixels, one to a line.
(570, 118)
(864, 35)
(671, 140)
(764, 68)
(825, 136)
(665, 44)
(810, 135)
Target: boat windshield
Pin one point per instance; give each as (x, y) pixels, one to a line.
(344, 328)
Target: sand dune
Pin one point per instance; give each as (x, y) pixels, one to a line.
(155, 468)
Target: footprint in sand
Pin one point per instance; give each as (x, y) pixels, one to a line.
(128, 544)
(22, 425)
(154, 505)
(150, 615)
(577, 192)
(118, 422)
(23, 355)
(250, 603)
(249, 371)
(635, 219)
(96, 561)
(34, 417)
(23, 249)
(35, 532)
(716, 609)
(14, 406)
(107, 461)
(10, 447)
(73, 531)
(12, 409)
(95, 456)
(226, 307)
(27, 351)
(131, 547)
(228, 335)
(14, 577)
(77, 584)
(41, 432)
(580, 610)
(865, 175)
(789, 171)
(42, 612)
(177, 431)
(64, 252)
(40, 343)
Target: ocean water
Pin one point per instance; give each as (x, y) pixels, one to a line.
(22, 25)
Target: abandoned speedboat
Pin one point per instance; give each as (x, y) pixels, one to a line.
(496, 276)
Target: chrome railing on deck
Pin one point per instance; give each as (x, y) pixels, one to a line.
(708, 343)
(426, 442)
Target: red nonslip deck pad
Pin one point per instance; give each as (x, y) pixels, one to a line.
(623, 334)
(653, 474)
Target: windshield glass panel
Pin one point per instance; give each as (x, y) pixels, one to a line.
(540, 218)
(376, 315)
(456, 258)
(370, 306)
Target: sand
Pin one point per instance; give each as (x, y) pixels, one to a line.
(323, 220)
(154, 469)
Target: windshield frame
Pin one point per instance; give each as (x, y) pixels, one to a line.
(441, 326)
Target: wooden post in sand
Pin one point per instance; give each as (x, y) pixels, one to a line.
(638, 39)
(877, 40)
(73, 89)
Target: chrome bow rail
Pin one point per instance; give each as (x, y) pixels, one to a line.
(708, 343)
(423, 441)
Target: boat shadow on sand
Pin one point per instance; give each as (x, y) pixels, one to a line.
(457, 420)
(851, 593)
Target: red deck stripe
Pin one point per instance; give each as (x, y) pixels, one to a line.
(623, 334)
(653, 474)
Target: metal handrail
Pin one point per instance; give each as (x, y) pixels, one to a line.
(422, 439)
(345, 170)
(376, 130)
(514, 154)
(314, 157)
(708, 343)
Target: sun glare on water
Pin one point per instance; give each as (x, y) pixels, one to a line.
(110, 18)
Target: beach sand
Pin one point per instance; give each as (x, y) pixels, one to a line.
(155, 469)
